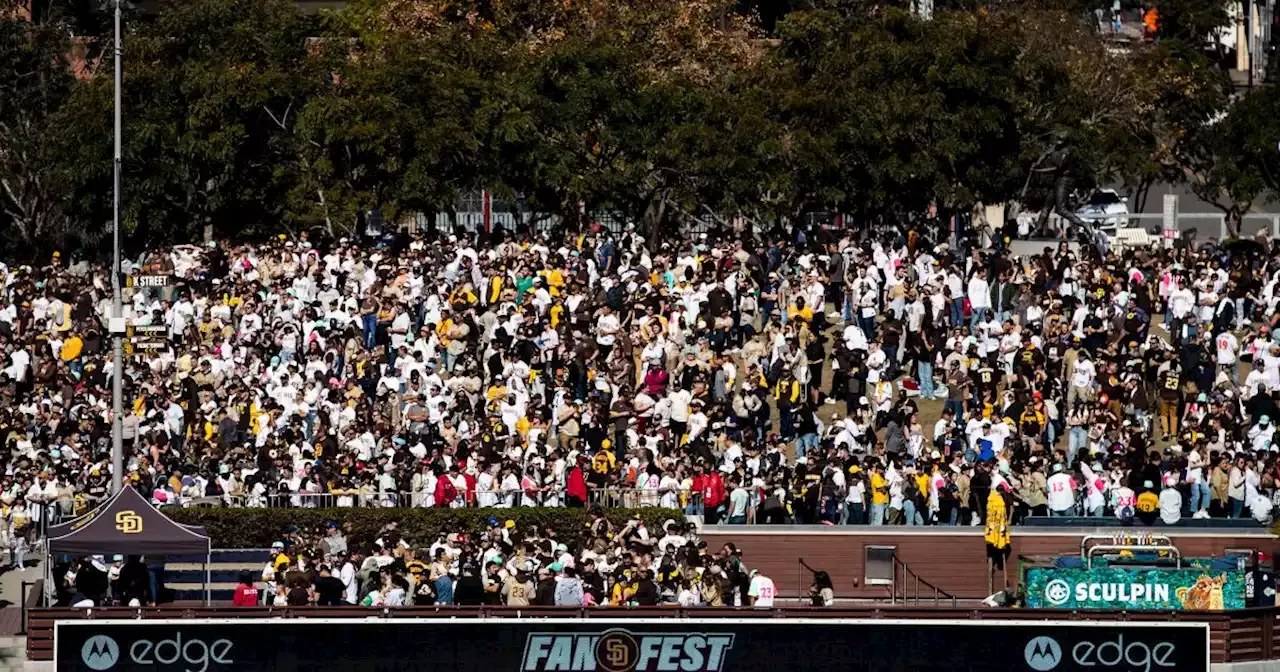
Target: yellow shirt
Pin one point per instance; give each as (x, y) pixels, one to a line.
(555, 281)
(621, 595)
(1148, 502)
(879, 489)
(462, 296)
(556, 311)
(805, 314)
(71, 348)
(443, 328)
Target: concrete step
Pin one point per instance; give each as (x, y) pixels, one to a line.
(13, 653)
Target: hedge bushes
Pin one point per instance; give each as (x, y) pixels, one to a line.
(257, 528)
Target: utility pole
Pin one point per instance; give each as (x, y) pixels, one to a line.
(117, 326)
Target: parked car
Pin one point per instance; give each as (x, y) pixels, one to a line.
(1107, 209)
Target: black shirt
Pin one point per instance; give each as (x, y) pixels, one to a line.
(646, 594)
(329, 590)
(469, 591)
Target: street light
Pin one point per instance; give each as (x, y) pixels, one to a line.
(117, 313)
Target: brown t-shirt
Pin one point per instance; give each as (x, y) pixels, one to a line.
(298, 596)
(518, 593)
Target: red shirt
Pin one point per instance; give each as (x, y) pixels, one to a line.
(246, 596)
(714, 491)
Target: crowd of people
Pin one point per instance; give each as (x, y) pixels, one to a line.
(613, 564)
(833, 376)
(617, 565)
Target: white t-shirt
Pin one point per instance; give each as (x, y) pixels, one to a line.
(1226, 344)
(607, 323)
(401, 322)
(680, 400)
(763, 590)
(1083, 373)
(1170, 506)
(1061, 496)
(1126, 502)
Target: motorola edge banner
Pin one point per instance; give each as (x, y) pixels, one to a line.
(619, 644)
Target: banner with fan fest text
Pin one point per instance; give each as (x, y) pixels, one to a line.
(734, 642)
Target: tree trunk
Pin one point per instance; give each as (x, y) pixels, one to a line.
(654, 214)
(1140, 196)
(1235, 215)
(324, 206)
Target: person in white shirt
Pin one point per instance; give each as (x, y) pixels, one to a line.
(761, 590)
(1199, 485)
(1227, 345)
(680, 400)
(1095, 486)
(1181, 302)
(1082, 376)
(1062, 492)
(1126, 502)
(607, 328)
(1170, 506)
(979, 292)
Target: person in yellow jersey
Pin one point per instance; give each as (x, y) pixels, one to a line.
(879, 494)
(1148, 507)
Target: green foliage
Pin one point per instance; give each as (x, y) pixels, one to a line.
(258, 528)
(1236, 158)
(1194, 22)
(402, 129)
(894, 114)
(247, 118)
(35, 86)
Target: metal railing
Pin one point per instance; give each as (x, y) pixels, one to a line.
(1209, 224)
(905, 579)
(606, 497)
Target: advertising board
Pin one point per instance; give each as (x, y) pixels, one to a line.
(628, 645)
(1191, 589)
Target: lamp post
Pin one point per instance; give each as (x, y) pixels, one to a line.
(117, 313)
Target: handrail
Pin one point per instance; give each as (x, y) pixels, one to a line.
(1107, 548)
(28, 589)
(938, 593)
(1125, 537)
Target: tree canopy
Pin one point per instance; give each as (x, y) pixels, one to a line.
(249, 118)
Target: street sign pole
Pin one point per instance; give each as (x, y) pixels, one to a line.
(117, 312)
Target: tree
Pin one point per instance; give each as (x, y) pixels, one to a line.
(888, 115)
(207, 84)
(1236, 160)
(35, 86)
(623, 112)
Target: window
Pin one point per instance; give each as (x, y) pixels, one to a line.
(877, 568)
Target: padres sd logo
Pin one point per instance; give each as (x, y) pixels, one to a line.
(128, 522)
(617, 651)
